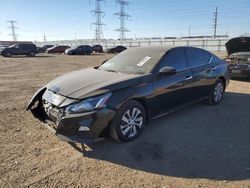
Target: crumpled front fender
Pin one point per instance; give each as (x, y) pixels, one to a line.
(36, 97)
(35, 105)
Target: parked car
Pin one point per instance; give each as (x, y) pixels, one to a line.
(97, 48)
(57, 49)
(117, 49)
(19, 49)
(3, 46)
(44, 48)
(134, 86)
(79, 50)
(238, 50)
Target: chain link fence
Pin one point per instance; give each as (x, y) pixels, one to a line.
(216, 45)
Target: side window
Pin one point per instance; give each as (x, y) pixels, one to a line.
(207, 56)
(196, 57)
(175, 58)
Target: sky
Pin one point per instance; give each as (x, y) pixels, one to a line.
(65, 20)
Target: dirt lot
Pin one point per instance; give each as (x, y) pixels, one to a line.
(200, 146)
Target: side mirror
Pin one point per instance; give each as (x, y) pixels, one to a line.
(167, 71)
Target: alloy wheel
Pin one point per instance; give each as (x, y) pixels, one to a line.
(131, 123)
(218, 92)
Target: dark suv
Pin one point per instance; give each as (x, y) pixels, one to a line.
(79, 50)
(97, 48)
(20, 49)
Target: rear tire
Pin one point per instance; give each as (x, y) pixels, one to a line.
(217, 93)
(128, 122)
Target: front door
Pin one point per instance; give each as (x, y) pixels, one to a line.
(176, 90)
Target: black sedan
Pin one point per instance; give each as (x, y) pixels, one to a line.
(79, 50)
(120, 96)
(44, 48)
(116, 49)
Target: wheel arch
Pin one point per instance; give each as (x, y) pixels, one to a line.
(105, 131)
(143, 103)
(223, 80)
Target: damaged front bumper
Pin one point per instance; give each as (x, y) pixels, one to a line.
(239, 71)
(78, 128)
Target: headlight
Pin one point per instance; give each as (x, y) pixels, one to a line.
(88, 104)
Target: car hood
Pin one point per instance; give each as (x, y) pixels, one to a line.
(240, 44)
(90, 82)
(2, 48)
(69, 50)
(73, 48)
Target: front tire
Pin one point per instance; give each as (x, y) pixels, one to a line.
(7, 54)
(217, 93)
(128, 122)
(31, 54)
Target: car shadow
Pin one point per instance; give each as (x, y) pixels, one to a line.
(37, 56)
(200, 141)
(92, 54)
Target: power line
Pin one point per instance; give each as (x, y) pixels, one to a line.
(123, 16)
(98, 13)
(13, 27)
(215, 21)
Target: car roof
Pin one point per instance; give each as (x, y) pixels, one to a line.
(154, 52)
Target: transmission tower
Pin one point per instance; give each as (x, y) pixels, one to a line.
(13, 28)
(98, 14)
(123, 16)
(44, 38)
(215, 21)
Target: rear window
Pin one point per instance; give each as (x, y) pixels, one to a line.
(197, 57)
(207, 55)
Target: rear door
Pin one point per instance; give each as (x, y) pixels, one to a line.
(26, 48)
(176, 90)
(200, 62)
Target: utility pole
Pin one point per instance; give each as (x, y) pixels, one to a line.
(13, 27)
(123, 16)
(189, 30)
(44, 37)
(98, 14)
(215, 21)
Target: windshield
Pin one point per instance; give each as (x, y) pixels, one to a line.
(13, 45)
(134, 60)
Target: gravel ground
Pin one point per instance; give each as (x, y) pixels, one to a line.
(199, 146)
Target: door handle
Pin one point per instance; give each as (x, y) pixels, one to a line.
(189, 77)
(213, 68)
